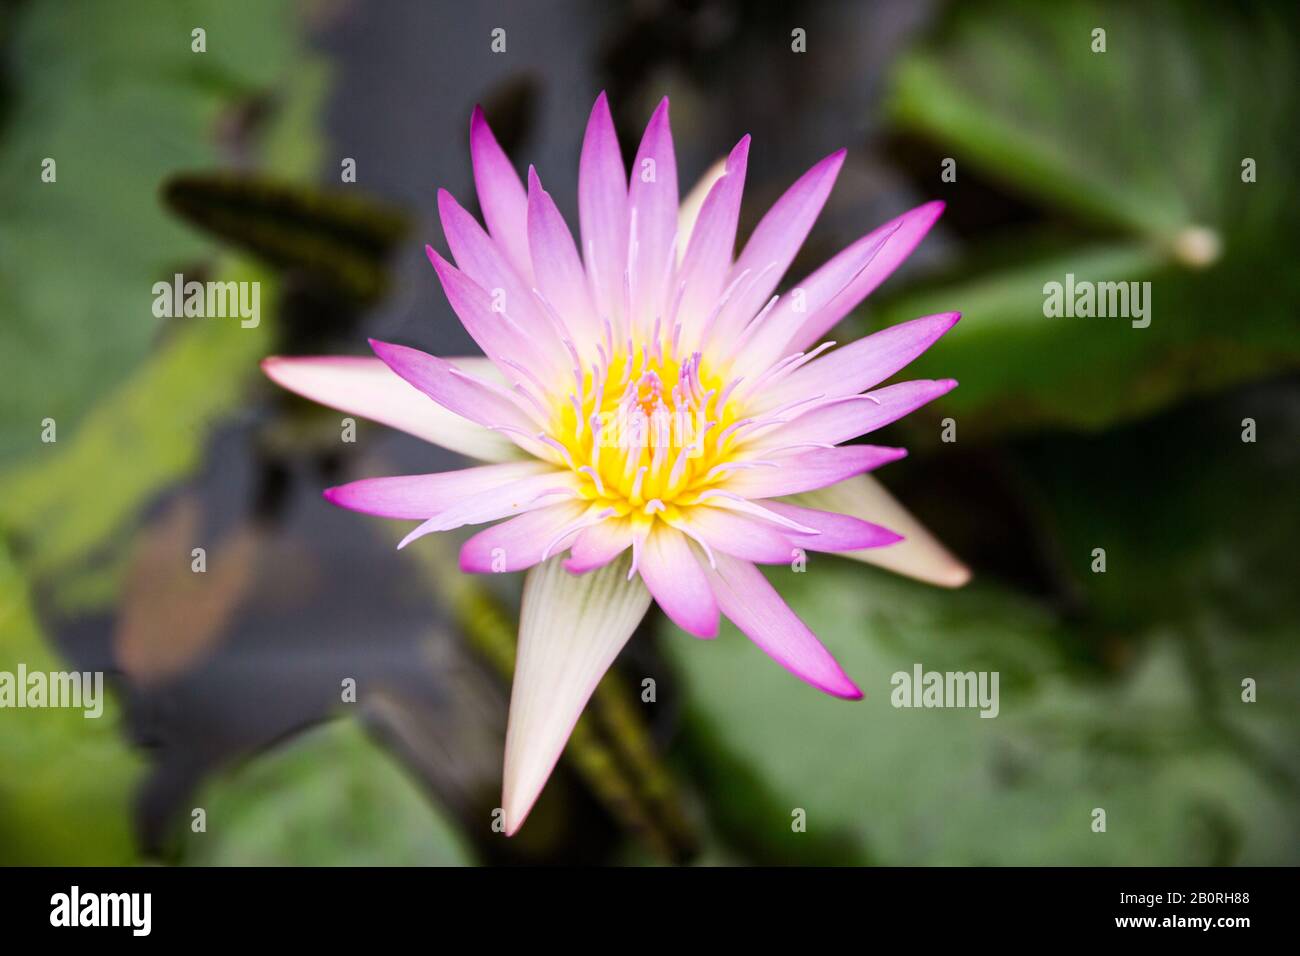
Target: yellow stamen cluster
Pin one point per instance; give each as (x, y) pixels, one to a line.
(646, 432)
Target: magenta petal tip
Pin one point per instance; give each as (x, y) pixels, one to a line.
(927, 213)
(838, 685)
(385, 350)
(440, 265)
(837, 158)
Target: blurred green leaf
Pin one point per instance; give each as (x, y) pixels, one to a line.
(920, 787)
(329, 797)
(1200, 532)
(1139, 149)
(65, 779)
(78, 258)
(1019, 369)
(1133, 704)
(1146, 137)
(65, 500)
(117, 102)
(146, 435)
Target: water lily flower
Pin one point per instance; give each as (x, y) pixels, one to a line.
(654, 421)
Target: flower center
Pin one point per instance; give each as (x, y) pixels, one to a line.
(646, 432)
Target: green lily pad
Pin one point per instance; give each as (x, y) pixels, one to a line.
(1135, 703)
(65, 779)
(946, 786)
(1135, 158)
(329, 797)
(117, 101)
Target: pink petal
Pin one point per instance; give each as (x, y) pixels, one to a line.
(708, 257)
(721, 498)
(814, 305)
(365, 386)
(901, 235)
(741, 535)
(598, 545)
(775, 242)
(862, 364)
(919, 555)
(602, 209)
(836, 532)
(677, 583)
(653, 208)
(422, 496)
(810, 470)
(753, 605)
(502, 501)
(560, 275)
(519, 543)
(460, 392)
(769, 341)
(500, 193)
(689, 212)
(571, 628)
(482, 260)
(841, 419)
(495, 331)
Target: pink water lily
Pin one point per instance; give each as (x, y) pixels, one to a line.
(655, 422)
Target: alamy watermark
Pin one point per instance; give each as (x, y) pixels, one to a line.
(74, 690)
(635, 430)
(132, 911)
(922, 688)
(209, 300)
(1104, 300)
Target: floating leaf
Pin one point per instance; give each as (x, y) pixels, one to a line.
(329, 797)
(65, 779)
(117, 102)
(945, 786)
(1136, 156)
(1132, 704)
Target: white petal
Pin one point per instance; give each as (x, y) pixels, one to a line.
(919, 555)
(365, 386)
(571, 628)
